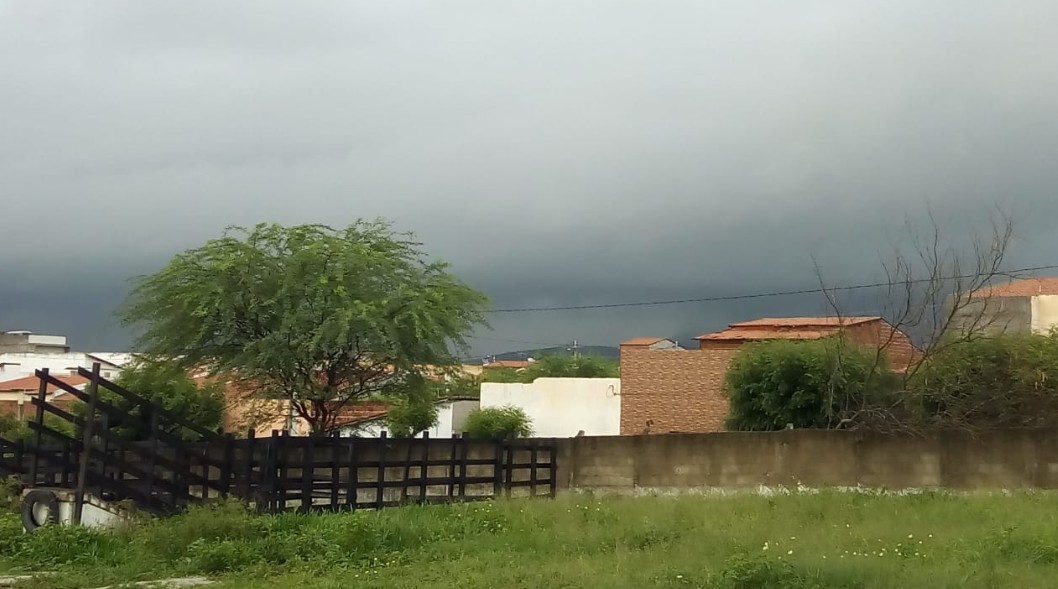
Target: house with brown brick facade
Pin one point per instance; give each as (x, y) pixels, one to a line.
(674, 390)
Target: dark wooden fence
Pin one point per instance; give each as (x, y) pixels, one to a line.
(179, 463)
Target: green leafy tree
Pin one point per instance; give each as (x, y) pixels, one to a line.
(556, 366)
(498, 423)
(809, 384)
(501, 375)
(415, 411)
(200, 404)
(986, 382)
(316, 315)
(12, 428)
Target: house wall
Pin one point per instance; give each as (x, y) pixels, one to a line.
(995, 315)
(1002, 459)
(18, 365)
(1044, 313)
(673, 390)
(562, 407)
(450, 420)
(898, 348)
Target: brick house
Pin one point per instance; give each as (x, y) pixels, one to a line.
(674, 390)
(868, 331)
(16, 395)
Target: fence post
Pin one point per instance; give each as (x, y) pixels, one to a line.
(532, 470)
(497, 483)
(380, 495)
(308, 471)
(352, 496)
(246, 486)
(509, 463)
(281, 455)
(104, 426)
(86, 451)
(267, 483)
(424, 466)
(553, 470)
(42, 392)
(453, 458)
(463, 466)
(336, 472)
(153, 460)
(227, 470)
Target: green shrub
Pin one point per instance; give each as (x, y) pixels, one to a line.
(498, 423)
(1001, 381)
(810, 384)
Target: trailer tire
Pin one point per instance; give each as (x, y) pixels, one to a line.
(30, 502)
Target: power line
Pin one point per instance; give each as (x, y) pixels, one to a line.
(781, 293)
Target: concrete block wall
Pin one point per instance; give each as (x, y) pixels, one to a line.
(1002, 459)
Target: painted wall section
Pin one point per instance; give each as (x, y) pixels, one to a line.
(1044, 313)
(562, 407)
(450, 420)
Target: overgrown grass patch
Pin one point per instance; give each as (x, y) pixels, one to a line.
(829, 539)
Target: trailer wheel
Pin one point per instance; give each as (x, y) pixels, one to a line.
(35, 501)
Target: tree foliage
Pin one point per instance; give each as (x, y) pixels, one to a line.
(192, 402)
(557, 366)
(316, 315)
(498, 423)
(415, 411)
(1001, 381)
(809, 384)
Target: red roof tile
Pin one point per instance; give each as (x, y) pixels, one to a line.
(509, 364)
(799, 328)
(643, 341)
(805, 321)
(1028, 287)
(30, 383)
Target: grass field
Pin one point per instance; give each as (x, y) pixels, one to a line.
(792, 541)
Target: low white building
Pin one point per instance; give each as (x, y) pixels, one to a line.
(562, 407)
(22, 353)
(451, 416)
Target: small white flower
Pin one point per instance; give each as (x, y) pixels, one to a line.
(790, 552)
(911, 536)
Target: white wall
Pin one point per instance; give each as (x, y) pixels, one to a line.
(1044, 313)
(18, 365)
(450, 419)
(562, 407)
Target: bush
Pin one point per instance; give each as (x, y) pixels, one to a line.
(202, 405)
(1002, 381)
(498, 423)
(810, 384)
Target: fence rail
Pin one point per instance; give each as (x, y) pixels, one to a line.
(167, 471)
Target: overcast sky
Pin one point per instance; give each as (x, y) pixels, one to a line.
(556, 152)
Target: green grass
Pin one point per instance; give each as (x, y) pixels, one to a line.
(824, 540)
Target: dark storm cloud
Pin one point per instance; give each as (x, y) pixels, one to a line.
(555, 152)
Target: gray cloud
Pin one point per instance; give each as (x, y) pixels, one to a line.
(555, 152)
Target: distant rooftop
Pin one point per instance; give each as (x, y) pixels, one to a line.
(785, 328)
(1027, 287)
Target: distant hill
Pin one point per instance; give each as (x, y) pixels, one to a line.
(609, 352)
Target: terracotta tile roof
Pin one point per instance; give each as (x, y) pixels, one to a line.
(358, 412)
(30, 383)
(1027, 287)
(509, 364)
(798, 328)
(805, 321)
(642, 341)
